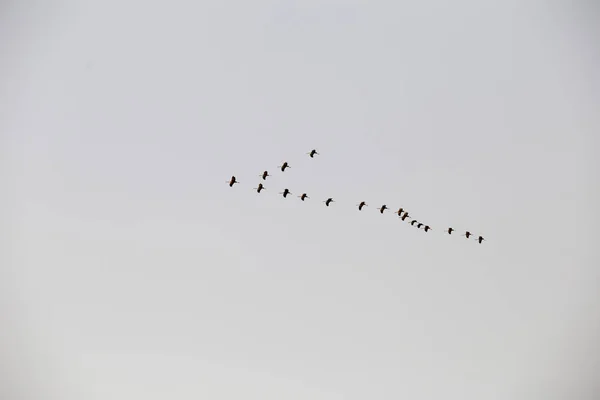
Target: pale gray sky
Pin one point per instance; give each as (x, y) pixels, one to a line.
(131, 270)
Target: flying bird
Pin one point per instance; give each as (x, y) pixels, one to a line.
(413, 222)
(285, 192)
(303, 196)
(232, 181)
(467, 234)
(450, 231)
(312, 153)
(382, 208)
(284, 166)
(419, 225)
(404, 216)
(480, 239)
(329, 201)
(426, 228)
(260, 187)
(361, 205)
(399, 212)
(264, 175)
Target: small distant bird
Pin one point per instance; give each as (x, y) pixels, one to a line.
(260, 187)
(361, 205)
(284, 166)
(264, 175)
(426, 228)
(413, 222)
(404, 216)
(285, 192)
(312, 153)
(480, 239)
(232, 181)
(467, 234)
(419, 225)
(328, 201)
(382, 208)
(399, 212)
(303, 196)
(450, 231)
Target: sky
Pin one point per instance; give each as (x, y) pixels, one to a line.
(130, 269)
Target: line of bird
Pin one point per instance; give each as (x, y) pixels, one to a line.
(401, 212)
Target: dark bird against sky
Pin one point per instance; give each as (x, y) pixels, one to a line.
(284, 166)
(232, 181)
(260, 187)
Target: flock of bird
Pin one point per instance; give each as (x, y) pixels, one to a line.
(403, 214)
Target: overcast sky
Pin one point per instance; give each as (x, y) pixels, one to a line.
(131, 270)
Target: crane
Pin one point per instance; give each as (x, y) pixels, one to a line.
(404, 216)
(232, 181)
(329, 201)
(382, 208)
(426, 228)
(480, 239)
(284, 166)
(450, 231)
(260, 187)
(413, 222)
(419, 225)
(467, 234)
(312, 153)
(303, 196)
(400, 210)
(264, 175)
(361, 205)
(285, 192)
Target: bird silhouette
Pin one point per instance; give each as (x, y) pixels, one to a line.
(467, 234)
(361, 205)
(450, 231)
(303, 196)
(260, 187)
(285, 192)
(284, 166)
(399, 212)
(419, 225)
(329, 201)
(382, 208)
(413, 222)
(480, 239)
(232, 181)
(404, 216)
(426, 228)
(264, 175)
(312, 153)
